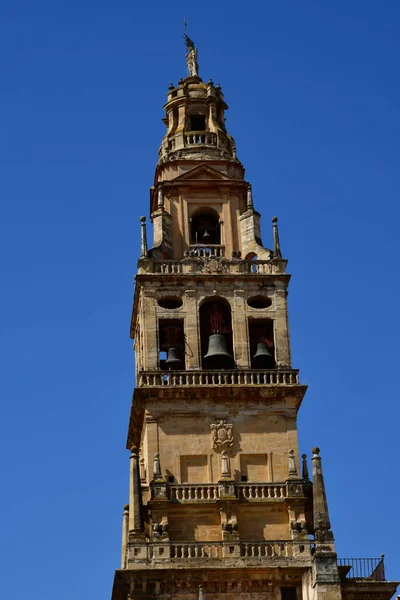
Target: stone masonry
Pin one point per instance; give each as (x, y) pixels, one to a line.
(221, 504)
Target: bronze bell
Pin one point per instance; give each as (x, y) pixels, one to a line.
(217, 356)
(263, 357)
(172, 358)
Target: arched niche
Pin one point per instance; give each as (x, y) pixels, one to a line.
(216, 320)
(205, 227)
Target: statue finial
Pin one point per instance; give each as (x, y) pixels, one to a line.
(191, 54)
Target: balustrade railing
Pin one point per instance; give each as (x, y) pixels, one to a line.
(266, 549)
(192, 492)
(259, 266)
(195, 138)
(169, 268)
(197, 550)
(206, 250)
(262, 491)
(364, 568)
(217, 378)
(217, 550)
(190, 264)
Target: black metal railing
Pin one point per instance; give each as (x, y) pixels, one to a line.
(364, 568)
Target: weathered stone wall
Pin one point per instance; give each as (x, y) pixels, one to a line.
(193, 292)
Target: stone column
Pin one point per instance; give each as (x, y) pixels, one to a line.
(135, 499)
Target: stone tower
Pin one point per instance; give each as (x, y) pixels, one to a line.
(220, 503)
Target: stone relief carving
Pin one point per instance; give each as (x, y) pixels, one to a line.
(222, 434)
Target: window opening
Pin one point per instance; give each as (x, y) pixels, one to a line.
(197, 123)
(288, 593)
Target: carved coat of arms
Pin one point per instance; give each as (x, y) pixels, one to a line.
(222, 434)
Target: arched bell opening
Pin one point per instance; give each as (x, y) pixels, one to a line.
(216, 334)
(205, 227)
(171, 344)
(262, 346)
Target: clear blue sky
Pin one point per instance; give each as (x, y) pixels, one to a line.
(313, 89)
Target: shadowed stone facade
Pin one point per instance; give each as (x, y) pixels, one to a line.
(220, 503)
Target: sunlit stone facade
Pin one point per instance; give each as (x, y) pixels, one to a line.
(221, 505)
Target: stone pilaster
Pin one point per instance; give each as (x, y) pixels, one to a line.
(240, 333)
(192, 337)
(281, 325)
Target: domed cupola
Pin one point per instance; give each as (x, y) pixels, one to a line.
(195, 118)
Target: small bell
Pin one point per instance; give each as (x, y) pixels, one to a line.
(172, 358)
(206, 234)
(217, 356)
(263, 357)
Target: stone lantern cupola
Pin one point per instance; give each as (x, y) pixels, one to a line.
(195, 122)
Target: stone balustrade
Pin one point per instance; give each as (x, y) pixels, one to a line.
(213, 142)
(256, 492)
(197, 550)
(192, 493)
(266, 549)
(200, 259)
(194, 138)
(277, 377)
(262, 491)
(207, 250)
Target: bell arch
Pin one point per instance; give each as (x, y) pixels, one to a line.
(262, 345)
(205, 226)
(216, 338)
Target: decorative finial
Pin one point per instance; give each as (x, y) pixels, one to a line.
(304, 468)
(160, 196)
(191, 54)
(320, 506)
(225, 465)
(249, 205)
(292, 465)
(277, 248)
(143, 253)
(157, 467)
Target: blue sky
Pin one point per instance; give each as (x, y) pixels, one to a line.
(313, 90)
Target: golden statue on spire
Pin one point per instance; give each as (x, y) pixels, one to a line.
(191, 54)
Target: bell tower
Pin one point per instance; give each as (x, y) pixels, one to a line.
(220, 502)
